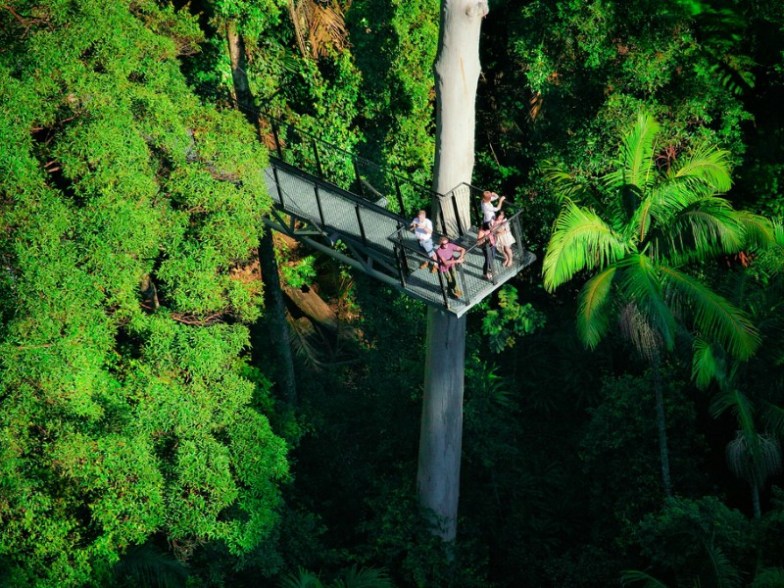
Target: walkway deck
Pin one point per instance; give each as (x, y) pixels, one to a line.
(322, 214)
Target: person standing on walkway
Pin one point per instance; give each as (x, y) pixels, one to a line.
(447, 262)
(489, 210)
(423, 230)
(504, 238)
(485, 238)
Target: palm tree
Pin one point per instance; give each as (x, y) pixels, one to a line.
(657, 220)
(354, 577)
(752, 455)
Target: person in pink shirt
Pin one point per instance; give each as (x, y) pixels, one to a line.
(445, 252)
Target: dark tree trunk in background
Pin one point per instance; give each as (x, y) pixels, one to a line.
(661, 426)
(275, 305)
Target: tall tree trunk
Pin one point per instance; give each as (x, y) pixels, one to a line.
(755, 499)
(456, 75)
(276, 307)
(661, 425)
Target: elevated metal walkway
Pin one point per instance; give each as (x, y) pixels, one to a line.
(350, 209)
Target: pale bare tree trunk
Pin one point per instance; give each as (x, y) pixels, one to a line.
(456, 73)
(276, 307)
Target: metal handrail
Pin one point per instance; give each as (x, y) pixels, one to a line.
(396, 180)
(403, 248)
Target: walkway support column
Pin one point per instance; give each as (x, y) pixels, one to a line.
(456, 72)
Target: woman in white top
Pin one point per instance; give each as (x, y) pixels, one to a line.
(503, 237)
(488, 209)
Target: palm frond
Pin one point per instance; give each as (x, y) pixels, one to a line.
(301, 579)
(581, 240)
(562, 181)
(667, 198)
(364, 578)
(706, 228)
(707, 363)
(593, 318)
(740, 405)
(706, 164)
(726, 574)
(629, 577)
(760, 231)
(754, 457)
(637, 329)
(147, 566)
(768, 578)
(778, 232)
(715, 317)
(635, 164)
(642, 286)
(773, 418)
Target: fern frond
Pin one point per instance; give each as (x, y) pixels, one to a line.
(593, 318)
(580, 241)
(715, 317)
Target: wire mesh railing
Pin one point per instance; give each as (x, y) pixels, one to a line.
(471, 281)
(330, 163)
(349, 196)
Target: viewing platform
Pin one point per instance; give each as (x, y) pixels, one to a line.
(349, 209)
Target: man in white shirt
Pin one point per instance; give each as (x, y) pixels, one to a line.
(488, 209)
(423, 230)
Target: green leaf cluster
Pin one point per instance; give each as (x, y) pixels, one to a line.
(130, 212)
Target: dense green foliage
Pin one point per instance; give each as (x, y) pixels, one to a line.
(129, 210)
(142, 441)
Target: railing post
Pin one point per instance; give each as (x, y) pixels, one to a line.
(457, 214)
(444, 294)
(494, 265)
(401, 270)
(359, 178)
(276, 135)
(318, 203)
(314, 143)
(461, 273)
(443, 220)
(277, 185)
(399, 196)
(404, 257)
(361, 226)
(516, 233)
